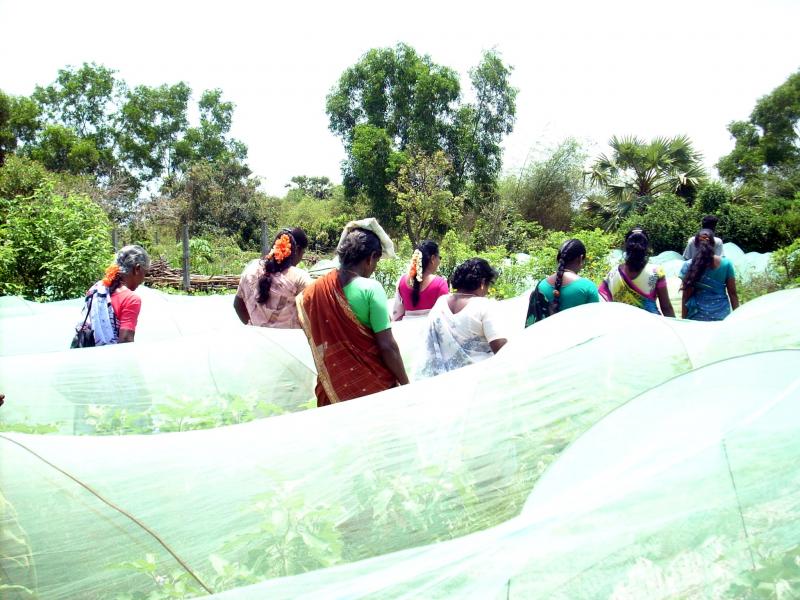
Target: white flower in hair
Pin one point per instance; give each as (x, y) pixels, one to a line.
(415, 272)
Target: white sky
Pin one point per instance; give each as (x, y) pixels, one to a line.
(588, 69)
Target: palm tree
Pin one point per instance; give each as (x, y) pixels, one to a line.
(637, 172)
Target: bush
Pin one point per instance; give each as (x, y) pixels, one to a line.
(786, 262)
(668, 221)
(711, 197)
(54, 247)
(748, 226)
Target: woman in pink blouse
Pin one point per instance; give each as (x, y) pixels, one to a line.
(418, 290)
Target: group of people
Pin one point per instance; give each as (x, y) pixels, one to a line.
(346, 317)
(345, 314)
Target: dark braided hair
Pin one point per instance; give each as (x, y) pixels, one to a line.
(428, 249)
(569, 251)
(358, 245)
(703, 258)
(469, 275)
(636, 246)
(299, 242)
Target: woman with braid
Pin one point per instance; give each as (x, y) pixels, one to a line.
(709, 282)
(636, 282)
(418, 290)
(565, 288)
(268, 287)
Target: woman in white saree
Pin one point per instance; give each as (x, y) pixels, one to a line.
(463, 327)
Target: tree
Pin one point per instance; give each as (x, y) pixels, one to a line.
(215, 197)
(84, 100)
(373, 164)
(766, 155)
(478, 129)
(548, 190)
(314, 187)
(426, 205)
(19, 122)
(60, 149)
(209, 141)
(638, 172)
(152, 120)
(394, 89)
(393, 99)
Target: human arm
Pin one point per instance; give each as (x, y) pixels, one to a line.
(495, 345)
(241, 309)
(730, 284)
(399, 309)
(126, 335)
(685, 295)
(664, 302)
(390, 353)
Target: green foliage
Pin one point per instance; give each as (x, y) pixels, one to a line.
(373, 164)
(766, 158)
(16, 557)
(61, 149)
(547, 190)
(54, 247)
(151, 121)
(786, 262)
(638, 172)
(668, 221)
(426, 205)
(218, 198)
(748, 226)
(320, 188)
(393, 99)
(178, 414)
(473, 141)
(20, 176)
(711, 197)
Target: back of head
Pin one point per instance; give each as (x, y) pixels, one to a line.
(469, 275)
(570, 250)
(358, 245)
(300, 237)
(709, 222)
(703, 257)
(132, 256)
(125, 261)
(429, 249)
(285, 252)
(420, 259)
(636, 249)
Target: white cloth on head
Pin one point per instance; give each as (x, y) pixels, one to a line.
(372, 225)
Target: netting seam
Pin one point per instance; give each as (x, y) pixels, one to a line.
(117, 508)
(738, 504)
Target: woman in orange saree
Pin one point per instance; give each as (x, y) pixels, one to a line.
(345, 316)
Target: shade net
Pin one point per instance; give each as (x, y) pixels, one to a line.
(229, 374)
(334, 491)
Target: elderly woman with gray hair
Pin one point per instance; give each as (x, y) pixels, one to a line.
(111, 302)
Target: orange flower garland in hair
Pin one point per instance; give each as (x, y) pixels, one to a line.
(415, 270)
(281, 249)
(111, 274)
